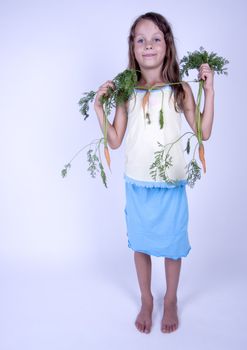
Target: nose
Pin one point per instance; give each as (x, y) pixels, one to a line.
(148, 45)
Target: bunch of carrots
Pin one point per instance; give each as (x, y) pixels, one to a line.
(125, 83)
(193, 61)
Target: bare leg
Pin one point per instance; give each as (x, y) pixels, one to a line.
(143, 268)
(169, 321)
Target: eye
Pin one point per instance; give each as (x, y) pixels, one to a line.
(141, 40)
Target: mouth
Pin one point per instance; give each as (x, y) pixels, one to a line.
(149, 55)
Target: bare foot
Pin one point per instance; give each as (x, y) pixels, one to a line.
(169, 321)
(144, 319)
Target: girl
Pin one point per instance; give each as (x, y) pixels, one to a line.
(156, 211)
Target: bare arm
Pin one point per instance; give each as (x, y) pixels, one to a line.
(208, 113)
(120, 122)
(189, 107)
(116, 130)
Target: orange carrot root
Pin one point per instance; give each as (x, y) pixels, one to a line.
(107, 156)
(145, 99)
(201, 156)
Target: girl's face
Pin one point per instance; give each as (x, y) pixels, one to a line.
(149, 40)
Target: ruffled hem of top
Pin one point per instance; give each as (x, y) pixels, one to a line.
(151, 184)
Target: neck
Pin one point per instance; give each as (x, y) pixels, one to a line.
(150, 79)
(151, 83)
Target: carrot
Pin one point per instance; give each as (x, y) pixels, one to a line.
(201, 156)
(161, 120)
(107, 156)
(145, 100)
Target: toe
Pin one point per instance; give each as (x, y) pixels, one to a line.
(147, 327)
(138, 326)
(164, 329)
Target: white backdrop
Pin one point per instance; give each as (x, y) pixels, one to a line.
(67, 273)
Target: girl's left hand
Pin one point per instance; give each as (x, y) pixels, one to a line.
(207, 74)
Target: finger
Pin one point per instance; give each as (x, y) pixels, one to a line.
(205, 69)
(208, 71)
(204, 73)
(202, 76)
(106, 87)
(108, 83)
(205, 66)
(102, 90)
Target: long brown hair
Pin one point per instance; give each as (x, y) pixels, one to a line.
(170, 68)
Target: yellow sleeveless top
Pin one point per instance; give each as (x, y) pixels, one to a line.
(143, 134)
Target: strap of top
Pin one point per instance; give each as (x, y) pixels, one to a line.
(154, 87)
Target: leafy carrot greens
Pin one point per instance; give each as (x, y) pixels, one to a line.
(125, 83)
(192, 61)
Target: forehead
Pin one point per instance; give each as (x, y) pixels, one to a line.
(146, 27)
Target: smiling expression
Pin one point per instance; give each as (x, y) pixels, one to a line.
(149, 44)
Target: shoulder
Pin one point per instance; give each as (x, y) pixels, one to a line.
(122, 109)
(186, 87)
(124, 104)
(132, 97)
(188, 100)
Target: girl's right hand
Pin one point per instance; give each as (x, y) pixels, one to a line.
(102, 91)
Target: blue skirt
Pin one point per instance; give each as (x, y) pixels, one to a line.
(157, 220)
